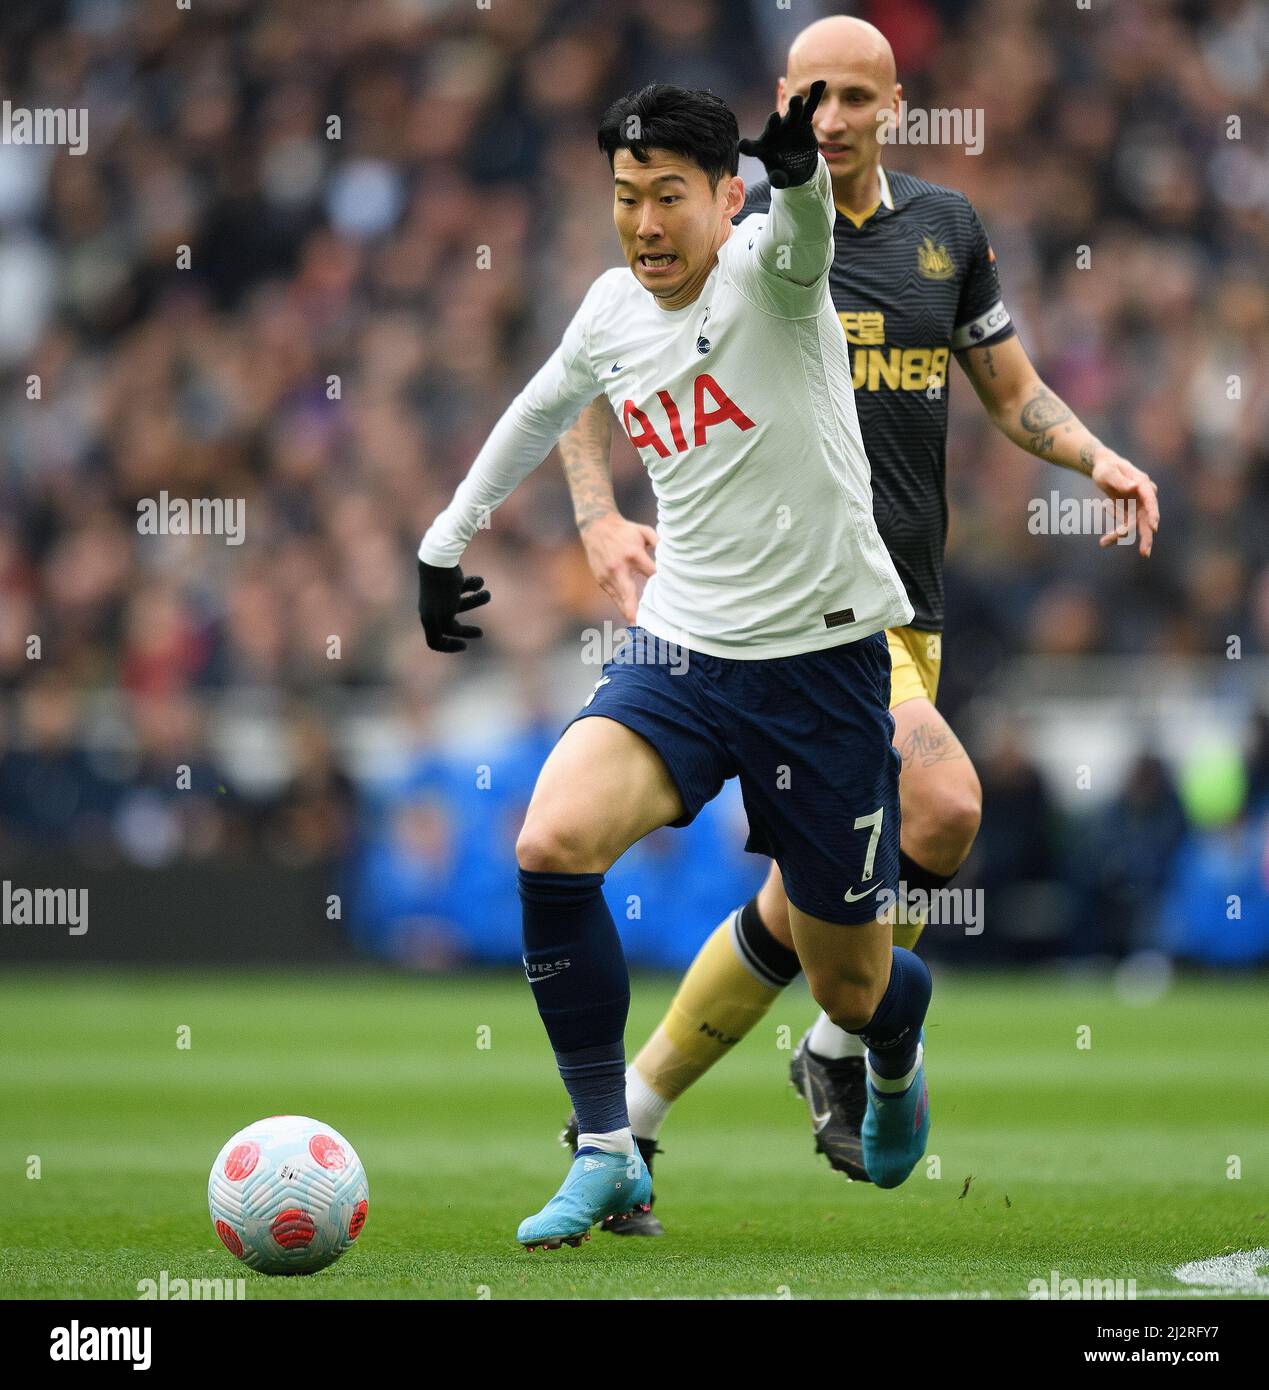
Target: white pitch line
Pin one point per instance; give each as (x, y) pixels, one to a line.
(1222, 1276)
(1239, 1271)
(1229, 1293)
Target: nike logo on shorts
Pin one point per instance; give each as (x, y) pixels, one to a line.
(863, 893)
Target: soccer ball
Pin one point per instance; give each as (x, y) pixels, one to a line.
(288, 1195)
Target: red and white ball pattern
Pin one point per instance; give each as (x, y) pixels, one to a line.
(288, 1195)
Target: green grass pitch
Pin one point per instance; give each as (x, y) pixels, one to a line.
(1106, 1161)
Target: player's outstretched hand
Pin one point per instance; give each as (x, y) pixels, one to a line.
(1124, 482)
(443, 594)
(619, 551)
(788, 147)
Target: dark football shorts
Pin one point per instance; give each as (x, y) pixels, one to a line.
(809, 738)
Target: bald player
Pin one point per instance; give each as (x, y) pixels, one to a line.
(914, 283)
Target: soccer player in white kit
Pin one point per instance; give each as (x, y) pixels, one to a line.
(759, 648)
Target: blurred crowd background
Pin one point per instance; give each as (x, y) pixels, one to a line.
(391, 209)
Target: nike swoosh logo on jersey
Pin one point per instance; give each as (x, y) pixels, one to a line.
(863, 893)
(617, 366)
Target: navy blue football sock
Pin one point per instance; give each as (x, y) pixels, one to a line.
(893, 1032)
(574, 961)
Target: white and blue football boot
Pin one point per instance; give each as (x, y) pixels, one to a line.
(598, 1185)
(896, 1126)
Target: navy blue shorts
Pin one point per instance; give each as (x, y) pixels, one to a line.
(810, 738)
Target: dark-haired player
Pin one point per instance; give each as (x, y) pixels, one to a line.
(721, 352)
(914, 282)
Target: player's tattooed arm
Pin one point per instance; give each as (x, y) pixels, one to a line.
(1040, 418)
(1023, 408)
(930, 743)
(618, 551)
(585, 450)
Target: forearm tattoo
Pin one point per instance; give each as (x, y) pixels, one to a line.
(929, 744)
(1040, 417)
(585, 453)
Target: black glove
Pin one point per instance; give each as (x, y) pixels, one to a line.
(788, 147)
(443, 594)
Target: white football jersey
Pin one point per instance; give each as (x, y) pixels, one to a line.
(741, 407)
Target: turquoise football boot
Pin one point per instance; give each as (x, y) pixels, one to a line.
(896, 1127)
(598, 1185)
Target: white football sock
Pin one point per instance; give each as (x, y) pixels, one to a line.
(830, 1041)
(615, 1141)
(647, 1108)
